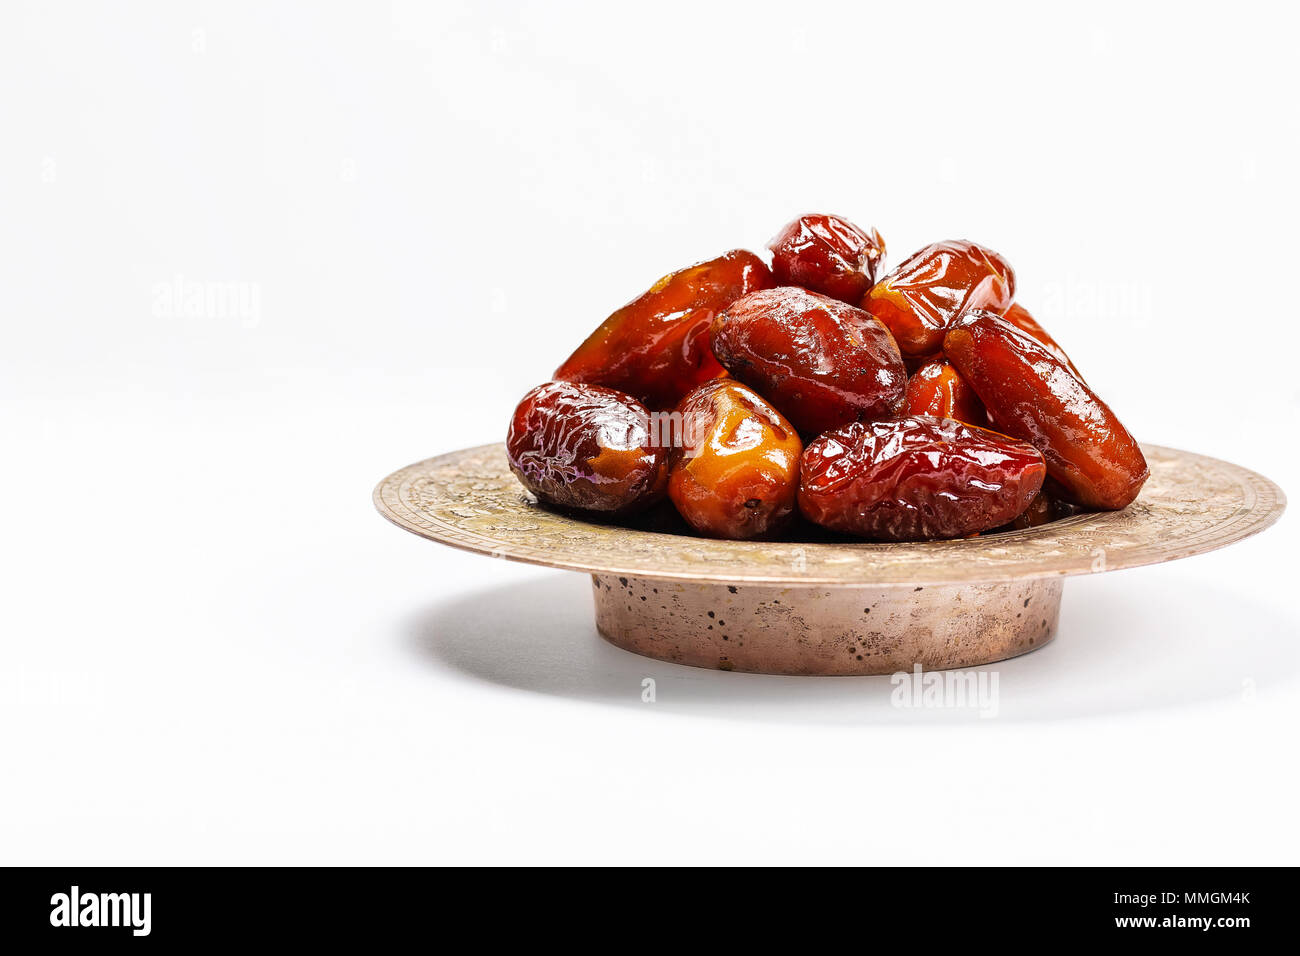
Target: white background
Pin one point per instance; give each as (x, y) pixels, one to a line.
(212, 650)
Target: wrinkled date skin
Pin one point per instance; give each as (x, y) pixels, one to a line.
(827, 254)
(656, 347)
(938, 389)
(586, 447)
(820, 361)
(1019, 316)
(735, 472)
(920, 300)
(917, 478)
(1031, 394)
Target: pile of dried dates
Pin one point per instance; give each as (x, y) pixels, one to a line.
(916, 404)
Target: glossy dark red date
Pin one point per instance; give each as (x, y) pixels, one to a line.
(1033, 395)
(916, 478)
(586, 447)
(920, 300)
(827, 254)
(820, 361)
(656, 347)
(938, 389)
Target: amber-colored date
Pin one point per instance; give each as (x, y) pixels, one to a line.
(820, 361)
(920, 300)
(1031, 394)
(656, 347)
(938, 389)
(587, 447)
(1019, 316)
(916, 478)
(735, 473)
(827, 254)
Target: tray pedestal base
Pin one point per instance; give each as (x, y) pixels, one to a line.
(826, 631)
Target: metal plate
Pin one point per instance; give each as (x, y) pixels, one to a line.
(1191, 504)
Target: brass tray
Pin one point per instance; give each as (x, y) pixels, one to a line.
(834, 607)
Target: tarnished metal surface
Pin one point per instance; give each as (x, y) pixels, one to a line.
(1191, 504)
(826, 631)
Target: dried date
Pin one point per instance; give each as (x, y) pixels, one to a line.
(827, 254)
(586, 447)
(1033, 395)
(938, 389)
(735, 470)
(916, 478)
(921, 299)
(820, 361)
(656, 347)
